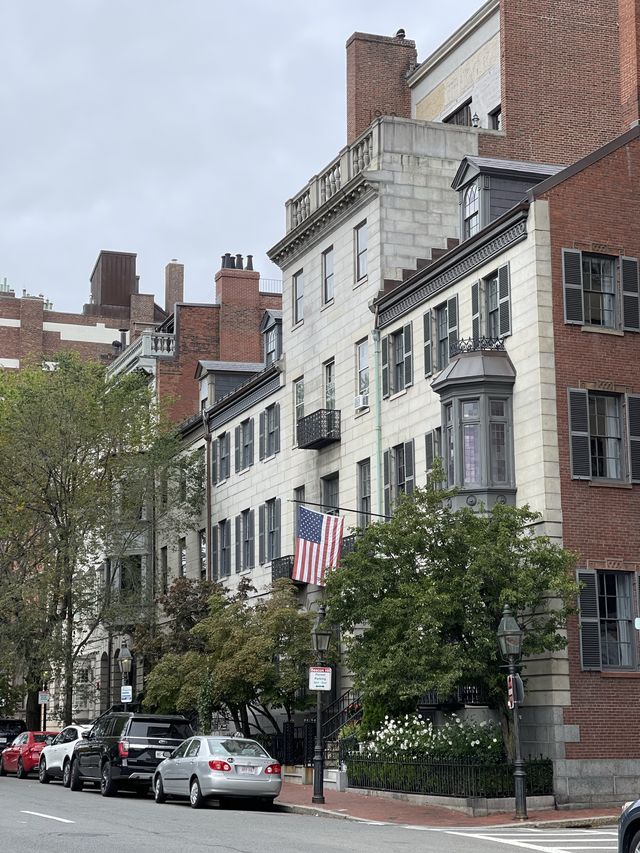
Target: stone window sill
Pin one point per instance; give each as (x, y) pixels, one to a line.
(620, 674)
(609, 484)
(602, 330)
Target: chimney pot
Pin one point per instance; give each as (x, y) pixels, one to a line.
(250, 262)
(238, 262)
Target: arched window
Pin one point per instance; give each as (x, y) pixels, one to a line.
(471, 215)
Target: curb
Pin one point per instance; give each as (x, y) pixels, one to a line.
(559, 823)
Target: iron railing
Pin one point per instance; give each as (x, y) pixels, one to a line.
(346, 709)
(270, 285)
(293, 745)
(282, 567)
(466, 694)
(318, 429)
(348, 545)
(476, 345)
(446, 777)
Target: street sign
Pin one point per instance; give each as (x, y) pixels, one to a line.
(319, 678)
(43, 697)
(126, 693)
(510, 693)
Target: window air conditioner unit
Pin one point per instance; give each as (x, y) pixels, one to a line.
(361, 401)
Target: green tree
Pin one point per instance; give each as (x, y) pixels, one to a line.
(420, 599)
(80, 455)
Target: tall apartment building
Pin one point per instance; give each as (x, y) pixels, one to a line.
(467, 266)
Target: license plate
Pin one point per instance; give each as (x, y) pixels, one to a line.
(162, 754)
(248, 770)
(3, 740)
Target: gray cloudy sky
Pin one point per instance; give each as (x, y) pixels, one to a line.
(171, 128)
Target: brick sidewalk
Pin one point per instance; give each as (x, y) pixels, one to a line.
(355, 805)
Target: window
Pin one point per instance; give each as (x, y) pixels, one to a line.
(327, 275)
(164, 570)
(495, 118)
(461, 117)
(202, 547)
(449, 445)
(298, 501)
(182, 485)
(164, 490)
(362, 368)
(330, 384)
(491, 305)
(270, 431)
(605, 435)
(224, 536)
(399, 473)
(221, 457)
(364, 493)
(272, 344)
(245, 540)
(470, 415)
(601, 291)
(244, 445)
(442, 336)
(607, 636)
(360, 237)
(498, 447)
(182, 557)
(330, 494)
(432, 448)
(131, 574)
(397, 361)
(269, 530)
(298, 400)
(470, 212)
(298, 297)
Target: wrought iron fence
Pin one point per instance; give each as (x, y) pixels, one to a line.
(446, 777)
(294, 745)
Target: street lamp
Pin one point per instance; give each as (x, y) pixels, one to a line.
(510, 641)
(124, 662)
(321, 636)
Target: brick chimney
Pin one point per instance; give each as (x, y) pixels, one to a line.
(376, 84)
(630, 61)
(173, 285)
(241, 310)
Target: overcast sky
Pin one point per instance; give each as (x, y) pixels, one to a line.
(171, 128)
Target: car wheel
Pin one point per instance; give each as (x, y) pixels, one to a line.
(43, 776)
(66, 774)
(75, 782)
(195, 794)
(158, 790)
(107, 786)
(21, 773)
(634, 847)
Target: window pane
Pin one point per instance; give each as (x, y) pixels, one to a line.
(605, 436)
(498, 444)
(471, 453)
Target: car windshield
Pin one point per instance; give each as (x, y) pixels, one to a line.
(43, 738)
(238, 747)
(169, 729)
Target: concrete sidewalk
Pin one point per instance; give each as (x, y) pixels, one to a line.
(356, 806)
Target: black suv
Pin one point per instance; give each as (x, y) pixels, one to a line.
(9, 730)
(122, 749)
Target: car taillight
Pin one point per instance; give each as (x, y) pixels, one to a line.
(214, 764)
(273, 770)
(123, 748)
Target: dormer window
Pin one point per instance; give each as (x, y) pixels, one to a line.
(271, 328)
(471, 212)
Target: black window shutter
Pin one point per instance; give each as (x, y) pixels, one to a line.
(261, 514)
(428, 360)
(572, 276)
(429, 451)
(214, 552)
(504, 301)
(252, 540)
(409, 467)
(250, 460)
(261, 449)
(452, 321)
(237, 441)
(630, 294)
(633, 416)
(589, 620)
(385, 366)
(408, 355)
(387, 482)
(276, 417)
(276, 534)
(475, 311)
(239, 565)
(214, 460)
(227, 440)
(579, 429)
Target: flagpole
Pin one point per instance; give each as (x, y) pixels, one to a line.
(339, 508)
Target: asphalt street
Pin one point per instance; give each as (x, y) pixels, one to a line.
(38, 818)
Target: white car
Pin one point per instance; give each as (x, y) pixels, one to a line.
(55, 759)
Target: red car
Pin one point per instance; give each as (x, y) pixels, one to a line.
(23, 755)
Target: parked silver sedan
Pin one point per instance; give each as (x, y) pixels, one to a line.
(204, 767)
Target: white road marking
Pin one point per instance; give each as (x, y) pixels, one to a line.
(49, 816)
(549, 841)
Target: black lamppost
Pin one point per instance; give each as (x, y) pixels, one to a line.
(510, 640)
(321, 635)
(124, 662)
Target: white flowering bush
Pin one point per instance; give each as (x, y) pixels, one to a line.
(414, 738)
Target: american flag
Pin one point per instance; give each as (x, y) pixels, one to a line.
(318, 543)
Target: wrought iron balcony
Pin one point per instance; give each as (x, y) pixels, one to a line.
(476, 345)
(348, 545)
(468, 694)
(318, 429)
(281, 567)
